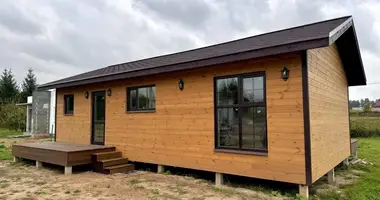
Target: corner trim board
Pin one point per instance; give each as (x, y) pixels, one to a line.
(306, 117)
(55, 121)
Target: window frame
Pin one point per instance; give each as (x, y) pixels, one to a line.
(240, 105)
(137, 109)
(65, 106)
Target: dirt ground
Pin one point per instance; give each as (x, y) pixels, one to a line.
(20, 181)
(23, 181)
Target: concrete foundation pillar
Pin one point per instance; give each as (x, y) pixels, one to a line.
(68, 170)
(331, 176)
(346, 162)
(355, 155)
(218, 179)
(16, 159)
(160, 169)
(304, 191)
(39, 164)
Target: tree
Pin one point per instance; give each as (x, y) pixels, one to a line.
(9, 91)
(367, 108)
(354, 103)
(28, 85)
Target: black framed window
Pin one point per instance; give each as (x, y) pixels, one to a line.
(68, 104)
(240, 112)
(141, 98)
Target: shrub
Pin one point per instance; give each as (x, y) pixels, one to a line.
(13, 117)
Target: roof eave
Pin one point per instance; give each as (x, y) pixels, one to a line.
(270, 51)
(346, 40)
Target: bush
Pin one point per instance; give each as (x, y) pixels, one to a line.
(365, 127)
(13, 117)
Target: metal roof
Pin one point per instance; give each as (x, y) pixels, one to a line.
(315, 35)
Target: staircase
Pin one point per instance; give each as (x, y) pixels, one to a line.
(111, 162)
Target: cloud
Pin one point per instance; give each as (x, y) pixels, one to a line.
(59, 38)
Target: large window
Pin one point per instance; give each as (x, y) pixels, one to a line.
(68, 104)
(141, 98)
(240, 109)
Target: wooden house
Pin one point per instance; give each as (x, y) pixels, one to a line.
(272, 106)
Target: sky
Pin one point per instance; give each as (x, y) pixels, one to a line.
(61, 38)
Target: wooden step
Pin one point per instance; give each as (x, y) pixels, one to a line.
(101, 165)
(119, 168)
(97, 157)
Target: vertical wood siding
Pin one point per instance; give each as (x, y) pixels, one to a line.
(181, 131)
(329, 126)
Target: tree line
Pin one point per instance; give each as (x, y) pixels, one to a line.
(11, 91)
(362, 103)
(13, 116)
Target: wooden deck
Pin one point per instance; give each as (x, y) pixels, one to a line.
(64, 154)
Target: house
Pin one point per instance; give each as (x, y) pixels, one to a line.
(40, 113)
(377, 107)
(272, 106)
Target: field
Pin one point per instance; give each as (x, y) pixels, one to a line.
(365, 126)
(23, 181)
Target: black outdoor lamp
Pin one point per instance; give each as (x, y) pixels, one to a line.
(181, 84)
(86, 94)
(109, 92)
(285, 73)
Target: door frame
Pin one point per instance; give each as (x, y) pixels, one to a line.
(92, 116)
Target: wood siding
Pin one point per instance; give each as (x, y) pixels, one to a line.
(329, 125)
(181, 130)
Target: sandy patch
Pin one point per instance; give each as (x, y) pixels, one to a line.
(18, 181)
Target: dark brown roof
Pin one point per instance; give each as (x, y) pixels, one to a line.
(299, 38)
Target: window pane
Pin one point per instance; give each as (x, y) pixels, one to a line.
(69, 104)
(99, 106)
(143, 98)
(132, 99)
(254, 128)
(147, 98)
(152, 97)
(227, 91)
(248, 90)
(228, 128)
(253, 89)
(258, 89)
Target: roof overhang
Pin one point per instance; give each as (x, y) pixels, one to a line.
(344, 36)
(294, 47)
(348, 48)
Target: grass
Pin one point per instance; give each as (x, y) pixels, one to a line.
(4, 133)
(5, 154)
(367, 186)
(365, 126)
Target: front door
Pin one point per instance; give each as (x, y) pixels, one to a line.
(98, 117)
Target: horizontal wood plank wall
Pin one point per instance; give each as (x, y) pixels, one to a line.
(329, 127)
(181, 131)
(74, 128)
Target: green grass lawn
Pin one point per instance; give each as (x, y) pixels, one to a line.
(5, 153)
(368, 185)
(4, 132)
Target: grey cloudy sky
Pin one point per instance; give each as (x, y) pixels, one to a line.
(60, 38)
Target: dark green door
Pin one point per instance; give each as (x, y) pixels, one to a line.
(98, 117)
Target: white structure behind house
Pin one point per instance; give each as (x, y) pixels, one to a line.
(357, 108)
(40, 112)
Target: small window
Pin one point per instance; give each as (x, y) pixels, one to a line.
(68, 104)
(141, 98)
